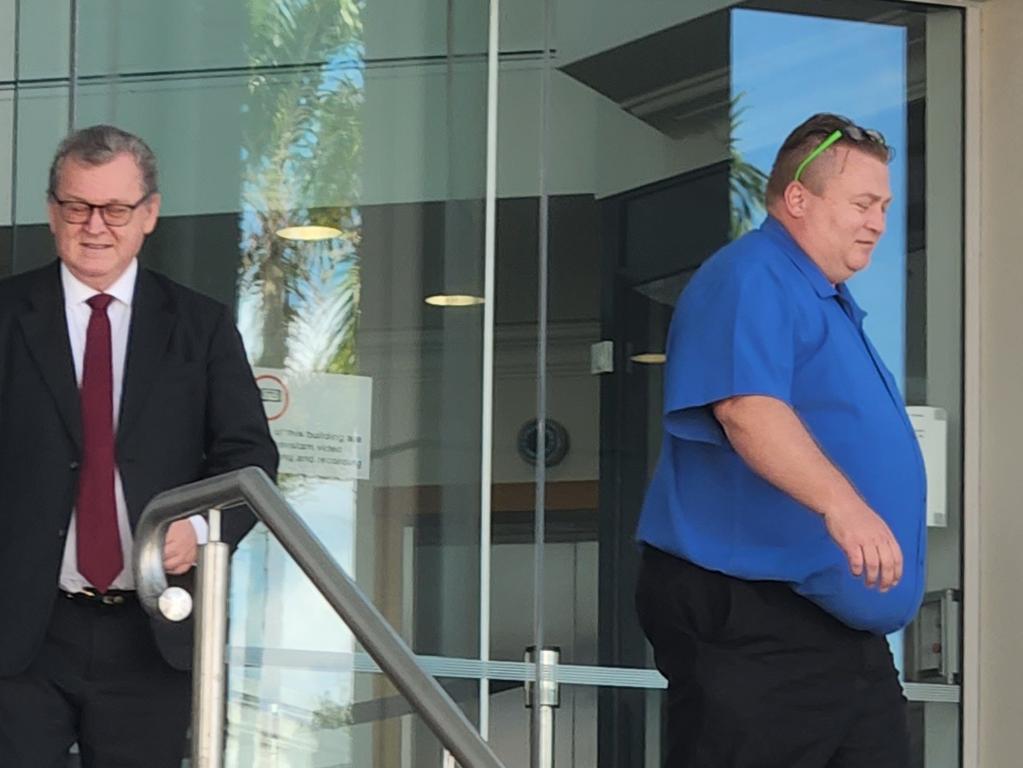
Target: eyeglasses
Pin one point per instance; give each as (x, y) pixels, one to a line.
(849, 130)
(113, 214)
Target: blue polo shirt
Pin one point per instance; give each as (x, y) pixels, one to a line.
(760, 318)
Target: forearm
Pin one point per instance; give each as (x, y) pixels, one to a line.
(772, 440)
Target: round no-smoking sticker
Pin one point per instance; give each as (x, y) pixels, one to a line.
(275, 396)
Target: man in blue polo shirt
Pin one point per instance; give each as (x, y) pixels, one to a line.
(783, 530)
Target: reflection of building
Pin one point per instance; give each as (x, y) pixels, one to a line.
(374, 120)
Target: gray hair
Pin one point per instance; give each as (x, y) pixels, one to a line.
(98, 145)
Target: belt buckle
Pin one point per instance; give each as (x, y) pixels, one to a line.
(93, 595)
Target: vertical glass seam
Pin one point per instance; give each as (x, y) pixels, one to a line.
(72, 101)
(16, 98)
(539, 518)
(487, 426)
(970, 709)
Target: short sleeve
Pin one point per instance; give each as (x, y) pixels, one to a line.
(732, 334)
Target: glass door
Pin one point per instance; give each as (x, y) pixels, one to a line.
(645, 171)
(323, 174)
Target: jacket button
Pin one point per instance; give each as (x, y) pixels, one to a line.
(73, 465)
(61, 532)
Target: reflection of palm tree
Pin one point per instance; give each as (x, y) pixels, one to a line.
(747, 183)
(321, 335)
(301, 144)
(298, 302)
(329, 715)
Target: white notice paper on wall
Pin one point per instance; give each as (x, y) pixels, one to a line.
(320, 421)
(931, 427)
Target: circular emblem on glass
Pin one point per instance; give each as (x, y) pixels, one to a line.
(555, 442)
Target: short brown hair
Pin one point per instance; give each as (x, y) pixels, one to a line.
(806, 137)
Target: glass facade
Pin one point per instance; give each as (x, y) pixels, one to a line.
(408, 356)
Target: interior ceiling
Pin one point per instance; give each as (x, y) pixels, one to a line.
(407, 249)
(689, 89)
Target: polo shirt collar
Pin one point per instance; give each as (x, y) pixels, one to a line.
(777, 232)
(846, 296)
(77, 292)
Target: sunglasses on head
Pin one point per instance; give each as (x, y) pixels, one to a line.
(847, 129)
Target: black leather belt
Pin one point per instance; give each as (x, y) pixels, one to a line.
(111, 598)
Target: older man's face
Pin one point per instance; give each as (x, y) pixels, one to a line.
(95, 252)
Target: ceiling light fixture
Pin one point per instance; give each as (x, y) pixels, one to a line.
(453, 300)
(649, 358)
(308, 232)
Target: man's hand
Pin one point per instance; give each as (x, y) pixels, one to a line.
(776, 445)
(180, 548)
(868, 543)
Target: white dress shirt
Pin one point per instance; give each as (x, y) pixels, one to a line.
(78, 312)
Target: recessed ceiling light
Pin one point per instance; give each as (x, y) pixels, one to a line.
(453, 300)
(649, 358)
(308, 232)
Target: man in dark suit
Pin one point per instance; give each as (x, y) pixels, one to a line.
(115, 384)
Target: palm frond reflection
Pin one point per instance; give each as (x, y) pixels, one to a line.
(301, 149)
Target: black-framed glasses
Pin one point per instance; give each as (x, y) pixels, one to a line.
(113, 214)
(840, 127)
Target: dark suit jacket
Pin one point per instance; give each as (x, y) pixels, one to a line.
(189, 409)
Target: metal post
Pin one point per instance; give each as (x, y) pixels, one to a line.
(252, 486)
(547, 699)
(210, 674)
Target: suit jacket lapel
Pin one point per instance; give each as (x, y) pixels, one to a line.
(152, 319)
(45, 329)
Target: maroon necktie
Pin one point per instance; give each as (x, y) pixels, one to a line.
(99, 543)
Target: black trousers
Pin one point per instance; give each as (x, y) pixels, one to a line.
(98, 680)
(759, 677)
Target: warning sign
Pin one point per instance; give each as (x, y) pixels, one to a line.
(320, 421)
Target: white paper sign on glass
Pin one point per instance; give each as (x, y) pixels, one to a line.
(931, 427)
(320, 421)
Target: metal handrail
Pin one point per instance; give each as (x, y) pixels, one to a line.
(252, 487)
